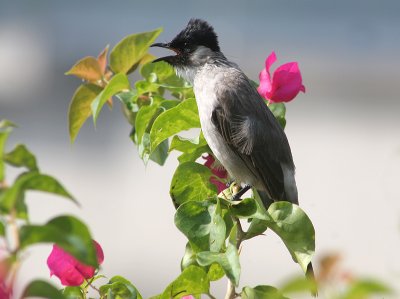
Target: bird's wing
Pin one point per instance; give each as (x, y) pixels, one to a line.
(251, 130)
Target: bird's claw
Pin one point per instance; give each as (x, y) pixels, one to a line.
(239, 194)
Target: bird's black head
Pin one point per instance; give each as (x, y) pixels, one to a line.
(197, 33)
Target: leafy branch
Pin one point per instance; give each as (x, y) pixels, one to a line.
(159, 107)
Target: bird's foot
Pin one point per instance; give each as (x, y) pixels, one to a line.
(239, 194)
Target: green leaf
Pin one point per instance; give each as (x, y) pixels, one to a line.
(131, 50)
(169, 104)
(299, 285)
(189, 258)
(165, 76)
(192, 149)
(21, 156)
(129, 97)
(363, 288)
(256, 228)
(88, 68)
(3, 140)
(217, 229)
(5, 123)
(2, 229)
(79, 109)
(231, 264)
(295, 229)
(46, 183)
(21, 208)
(215, 272)
(192, 281)
(120, 288)
(160, 154)
(68, 232)
(145, 118)
(182, 117)
(130, 107)
(144, 121)
(117, 84)
(73, 293)
(161, 71)
(186, 145)
(193, 156)
(245, 208)
(31, 181)
(193, 219)
(233, 235)
(41, 289)
(229, 261)
(261, 292)
(279, 111)
(144, 87)
(191, 181)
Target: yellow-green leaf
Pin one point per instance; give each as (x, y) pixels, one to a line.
(79, 109)
(182, 117)
(88, 68)
(5, 123)
(229, 261)
(144, 60)
(68, 232)
(295, 229)
(191, 182)
(147, 58)
(118, 83)
(20, 156)
(42, 289)
(131, 49)
(3, 140)
(192, 281)
(262, 292)
(35, 181)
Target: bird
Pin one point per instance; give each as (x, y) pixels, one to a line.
(240, 129)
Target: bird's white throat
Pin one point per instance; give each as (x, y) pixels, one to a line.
(198, 59)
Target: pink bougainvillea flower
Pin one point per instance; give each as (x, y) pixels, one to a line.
(68, 269)
(5, 288)
(285, 84)
(217, 170)
(187, 297)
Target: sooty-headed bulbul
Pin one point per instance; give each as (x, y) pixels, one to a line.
(240, 129)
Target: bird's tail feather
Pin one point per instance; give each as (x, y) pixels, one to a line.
(266, 200)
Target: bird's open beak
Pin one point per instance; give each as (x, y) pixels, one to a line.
(168, 59)
(161, 45)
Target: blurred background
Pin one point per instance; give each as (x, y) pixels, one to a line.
(344, 131)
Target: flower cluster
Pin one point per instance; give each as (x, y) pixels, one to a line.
(285, 84)
(218, 171)
(68, 269)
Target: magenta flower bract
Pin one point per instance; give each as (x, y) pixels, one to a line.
(68, 269)
(285, 84)
(218, 171)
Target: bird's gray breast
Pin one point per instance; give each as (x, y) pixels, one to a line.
(207, 85)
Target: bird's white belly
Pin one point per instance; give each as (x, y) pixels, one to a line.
(206, 102)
